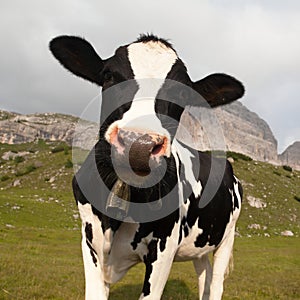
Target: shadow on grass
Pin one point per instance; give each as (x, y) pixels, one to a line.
(175, 289)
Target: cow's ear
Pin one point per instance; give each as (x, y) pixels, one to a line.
(78, 56)
(219, 89)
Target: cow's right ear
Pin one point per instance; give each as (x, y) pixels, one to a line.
(78, 56)
(219, 89)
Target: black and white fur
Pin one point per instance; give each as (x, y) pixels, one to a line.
(190, 232)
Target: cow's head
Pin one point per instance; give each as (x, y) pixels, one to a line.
(138, 121)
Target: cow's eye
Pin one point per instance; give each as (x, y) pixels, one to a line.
(108, 76)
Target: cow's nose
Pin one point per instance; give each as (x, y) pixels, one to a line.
(141, 148)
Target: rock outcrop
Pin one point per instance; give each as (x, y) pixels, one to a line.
(232, 128)
(17, 129)
(291, 156)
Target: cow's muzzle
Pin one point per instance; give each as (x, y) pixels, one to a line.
(139, 151)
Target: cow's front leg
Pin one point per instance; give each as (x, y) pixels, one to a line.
(158, 264)
(92, 244)
(95, 287)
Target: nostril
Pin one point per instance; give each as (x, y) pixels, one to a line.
(156, 149)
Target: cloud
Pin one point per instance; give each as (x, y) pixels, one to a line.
(257, 41)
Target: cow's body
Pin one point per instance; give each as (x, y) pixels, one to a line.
(176, 227)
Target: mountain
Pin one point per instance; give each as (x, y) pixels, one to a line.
(291, 156)
(232, 128)
(16, 129)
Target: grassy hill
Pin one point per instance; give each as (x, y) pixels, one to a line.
(40, 256)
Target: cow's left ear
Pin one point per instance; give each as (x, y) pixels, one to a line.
(78, 56)
(219, 89)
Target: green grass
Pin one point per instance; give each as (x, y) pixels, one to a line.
(264, 269)
(41, 263)
(19, 159)
(40, 256)
(4, 178)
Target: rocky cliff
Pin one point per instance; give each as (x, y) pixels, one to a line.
(291, 156)
(17, 129)
(232, 128)
(236, 127)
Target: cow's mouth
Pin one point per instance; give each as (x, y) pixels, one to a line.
(141, 173)
(138, 177)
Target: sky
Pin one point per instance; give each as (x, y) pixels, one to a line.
(258, 42)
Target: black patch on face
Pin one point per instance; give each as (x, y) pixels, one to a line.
(173, 97)
(179, 73)
(169, 114)
(148, 260)
(116, 93)
(116, 69)
(105, 119)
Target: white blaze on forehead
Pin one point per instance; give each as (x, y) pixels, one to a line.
(141, 116)
(151, 59)
(150, 62)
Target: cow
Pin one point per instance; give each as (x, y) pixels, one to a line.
(141, 191)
